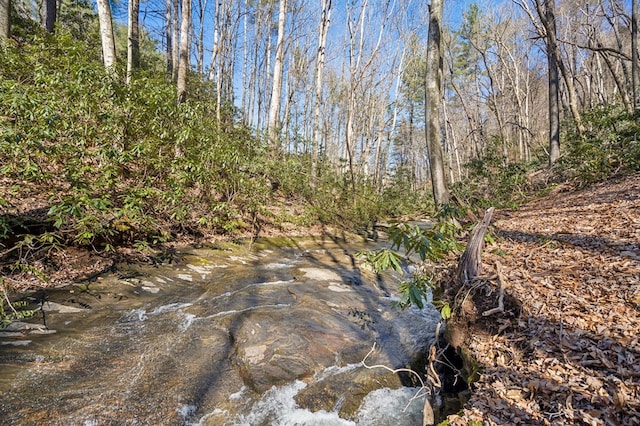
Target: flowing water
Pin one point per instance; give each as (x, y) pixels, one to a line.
(272, 334)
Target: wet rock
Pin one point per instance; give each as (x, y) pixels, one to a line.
(318, 274)
(22, 326)
(15, 343)
(345, 390)
(40, 331)
(63, 309)
(339, 288)
(268, 354)
(181, 356)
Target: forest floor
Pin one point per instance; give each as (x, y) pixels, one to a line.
(566, 350)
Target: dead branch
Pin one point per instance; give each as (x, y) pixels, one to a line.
(397, 370)
(427, 407)
(500, 307)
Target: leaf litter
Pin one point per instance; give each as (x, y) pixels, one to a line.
(570, 352)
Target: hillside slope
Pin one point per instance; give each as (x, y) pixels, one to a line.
(569, 351)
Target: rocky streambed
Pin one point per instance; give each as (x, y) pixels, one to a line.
(272, 333)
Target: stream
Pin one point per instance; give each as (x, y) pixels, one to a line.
(269, 334)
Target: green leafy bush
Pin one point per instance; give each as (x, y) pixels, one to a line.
(119, 163)
(609, 146)
(428, 243)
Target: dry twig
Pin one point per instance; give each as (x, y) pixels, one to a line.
(500, 307)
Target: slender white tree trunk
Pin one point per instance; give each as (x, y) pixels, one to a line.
(202, 7)
(325, 21)
(278, 70)
(245, 62)
(133, 39)
(106, 35)
(214, 69)
(176, 37)
(5, 18)
(169, 35)
(183, 65)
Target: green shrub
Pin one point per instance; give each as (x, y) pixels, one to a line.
(494, 182)
(609, 146)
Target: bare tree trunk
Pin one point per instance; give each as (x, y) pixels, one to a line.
(381, 152)
(548, 19)
(245, 62)
(554, 80)
(106, 34)
(214, 68)
(177, 6)
(183, 65)
(50, 15)
(433, 95)
(635, 65)
(354, 65)
(169, 36)
(325, 21)
(133, 39)
(5, 18)
(616, 79)
(278, 70)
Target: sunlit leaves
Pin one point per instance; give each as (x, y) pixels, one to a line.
(414, 292)
(419, 243)
(382, 260)
(428, 241)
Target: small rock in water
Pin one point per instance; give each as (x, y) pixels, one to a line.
(41, 331)
(11, 334)
(20, 326)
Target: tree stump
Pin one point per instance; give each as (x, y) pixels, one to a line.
(470, 264)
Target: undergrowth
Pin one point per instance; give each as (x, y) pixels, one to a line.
(609, 147)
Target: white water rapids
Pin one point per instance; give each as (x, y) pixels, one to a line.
(382, 407)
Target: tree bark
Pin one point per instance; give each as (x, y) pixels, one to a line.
(554, 80)
(433, 96)
(635, 65)
(548, 19)
(5, 18)
(325, 21)
(470, 263)
(133, 39)
(278, 70)
(176, 39)
(202, 7)
(183, 64)
(106, 35)
(50, 15)
(169, 35)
